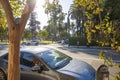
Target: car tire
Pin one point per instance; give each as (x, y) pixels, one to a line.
(2, 75)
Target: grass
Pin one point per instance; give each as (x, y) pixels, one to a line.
(41, 42)
(45, 42)
(4, 42)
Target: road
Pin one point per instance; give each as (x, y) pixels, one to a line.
(89, 55)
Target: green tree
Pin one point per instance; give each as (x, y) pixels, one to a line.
(3, 33)
(102, 22)
(72, 26)
(54, 11)
(43, 34)
(15, 28)
(61, 17)
(113, 6)
(77, 14)
(3, 28)
(114, 18)
(34, 24)
(27, 34)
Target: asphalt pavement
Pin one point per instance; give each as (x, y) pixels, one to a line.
(3, 46)
(94, 50)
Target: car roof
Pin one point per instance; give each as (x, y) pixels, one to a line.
(35, 50)
(29, 49)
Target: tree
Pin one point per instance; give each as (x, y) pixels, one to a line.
(72, 28)
(3, 29)
(113, 8)
(102, 23)
(34, 25)
(61, 17)
(43, 34)
(3, 33)
(54, 11)
(27, 34)
(77, 14)
(15, 29)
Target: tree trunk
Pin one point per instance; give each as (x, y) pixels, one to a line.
(15, 33)
(14, 58)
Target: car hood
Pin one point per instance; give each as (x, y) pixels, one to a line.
(79, 69)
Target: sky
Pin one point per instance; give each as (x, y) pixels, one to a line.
(42, 17)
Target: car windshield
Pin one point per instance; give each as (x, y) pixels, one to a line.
(55, 59)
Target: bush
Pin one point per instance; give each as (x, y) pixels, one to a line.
(74, 40)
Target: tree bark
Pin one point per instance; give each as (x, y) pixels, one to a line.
(15, 33)
(14, 58)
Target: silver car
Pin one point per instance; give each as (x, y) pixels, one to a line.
(33, 42)
(48, 64)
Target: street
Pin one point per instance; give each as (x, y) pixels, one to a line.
(89, 55)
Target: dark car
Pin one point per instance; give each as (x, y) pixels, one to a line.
(48, 64)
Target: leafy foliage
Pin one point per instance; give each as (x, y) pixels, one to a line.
(56, 17)
(114, 7)
(27, 34)
(43, 34)
(2, 18)
(17, 7)
(34, 25)
(102, 23)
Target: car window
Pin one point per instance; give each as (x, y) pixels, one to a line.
(29, 60)
(55, 59)
(26, 59)
(5, 56)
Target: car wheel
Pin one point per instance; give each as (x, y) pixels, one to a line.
(2, 75)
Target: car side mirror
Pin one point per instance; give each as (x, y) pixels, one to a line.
(36, 68)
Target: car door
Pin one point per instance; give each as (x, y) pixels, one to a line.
(27, 63)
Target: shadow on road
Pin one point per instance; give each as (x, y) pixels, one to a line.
(93, 51)
(3, 46)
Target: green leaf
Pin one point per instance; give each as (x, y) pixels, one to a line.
(97, 27)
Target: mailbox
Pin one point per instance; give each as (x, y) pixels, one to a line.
(102, 73)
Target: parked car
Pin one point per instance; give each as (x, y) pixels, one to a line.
(33, 42)
(48, 64)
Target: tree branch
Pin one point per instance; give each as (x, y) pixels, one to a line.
(25, 15)
(8, 12)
